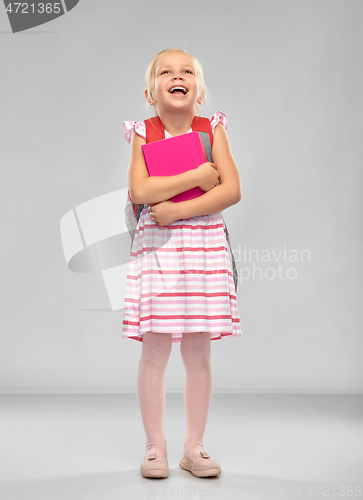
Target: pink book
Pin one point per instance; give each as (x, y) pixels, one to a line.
(174, 156)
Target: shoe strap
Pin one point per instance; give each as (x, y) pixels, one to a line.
(152, 456)
(204, 454)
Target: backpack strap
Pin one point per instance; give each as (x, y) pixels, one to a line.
(202, 124)
(154, 129)
(234, 267)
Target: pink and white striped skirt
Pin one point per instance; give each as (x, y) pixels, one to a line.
(180, 280)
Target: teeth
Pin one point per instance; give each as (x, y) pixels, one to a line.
(183, 89)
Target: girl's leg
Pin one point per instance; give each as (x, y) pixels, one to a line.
(155, 353)
(195, 352)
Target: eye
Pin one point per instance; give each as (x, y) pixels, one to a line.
(188, 71)
(164, 71)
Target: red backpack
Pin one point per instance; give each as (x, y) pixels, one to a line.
(155, 132)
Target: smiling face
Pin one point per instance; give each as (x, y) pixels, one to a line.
(176, 85)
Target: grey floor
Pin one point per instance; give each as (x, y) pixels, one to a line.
(85, 446)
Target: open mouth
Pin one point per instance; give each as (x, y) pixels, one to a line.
(178, 90)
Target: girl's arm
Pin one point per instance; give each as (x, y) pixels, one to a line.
(145, 189)
(227, 193)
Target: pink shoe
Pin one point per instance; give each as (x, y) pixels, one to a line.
(154, 467)
(201, 467)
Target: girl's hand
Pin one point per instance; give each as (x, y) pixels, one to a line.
(208, 176)
(163, 213)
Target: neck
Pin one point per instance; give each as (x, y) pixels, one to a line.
(177, 123)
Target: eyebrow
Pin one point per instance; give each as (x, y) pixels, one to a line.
(168, 67)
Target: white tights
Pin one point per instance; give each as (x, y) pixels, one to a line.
(155, 353)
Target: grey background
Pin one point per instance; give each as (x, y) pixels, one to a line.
(288, 74)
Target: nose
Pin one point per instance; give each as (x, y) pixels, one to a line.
(175, 77)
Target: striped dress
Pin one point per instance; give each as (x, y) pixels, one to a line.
(179, 276)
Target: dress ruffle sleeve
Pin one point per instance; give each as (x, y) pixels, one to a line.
(138, 127)
(219, 117)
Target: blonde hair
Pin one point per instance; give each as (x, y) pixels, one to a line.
(150, 74)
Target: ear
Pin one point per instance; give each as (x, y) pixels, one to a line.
(149, 98)
(201, 98)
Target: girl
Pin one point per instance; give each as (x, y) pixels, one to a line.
(179, 286)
